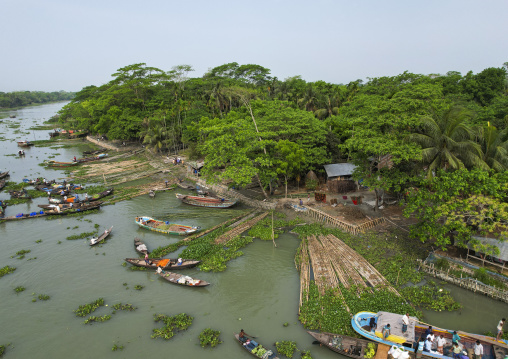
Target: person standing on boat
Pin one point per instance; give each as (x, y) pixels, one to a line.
(441, 341)
(386, 331)
(455, 338)
(478, 350)
(500, 329)
(179, 262)
(456, 350)
(147, 261)
(159, 269)
(428, 345)
(419, 348)
(405, 322)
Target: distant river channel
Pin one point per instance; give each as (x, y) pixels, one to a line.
(258, 292)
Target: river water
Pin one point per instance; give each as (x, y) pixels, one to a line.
(258, 292)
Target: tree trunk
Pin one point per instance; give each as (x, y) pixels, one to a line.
(261, 185)
(377, 199)
(286, 180)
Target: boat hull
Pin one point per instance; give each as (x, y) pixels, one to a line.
(210, 202)
(175, 278)
(166, 228)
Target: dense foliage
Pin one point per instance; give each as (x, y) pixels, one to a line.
(25, 98)
(400, 131)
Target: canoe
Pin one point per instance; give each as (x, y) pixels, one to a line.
(101, 238)
(20, 216)
(342, 344)
(94, 158)
(82, 198)
(361, 320)
(88, 153)
(140, 246)
(253, 347)
(25, 143)
(64, 205)
(185, 185)
(206, 201)
(19, 194)
(182, 279)
(165, 227)
(52, 190)
(60, 164)
(4, 174)
(165, 263)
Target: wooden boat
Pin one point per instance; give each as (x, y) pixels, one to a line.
(88, 153)
(54, 134)
(94, 158)
(165, 263)
(342, 344)
(25, 143)
(165, 227)
(20, 216)
(140, 246)
(93, 198)
(12, 116)
(206, 201)
(101, 238)
(64, 205)
(2, 184)
(185, 185)
(52, 190)
(182, 279)
(361, 320)
(60, 164)
(4, 174)
(151, 193)
(253, 347)
(20, 194)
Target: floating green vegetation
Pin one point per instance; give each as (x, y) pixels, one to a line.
(86, 309)
(209, 337)
(284, 347)
(306, 354)
(38, 241)
(139, 287)
(11, 155)
(31, 259)
(3, 348)
(171, 324)
(75, 227)
(42, 127)
(43, 297)
(286, 324)
(19, 289)
(117, 347)
(14, 186)
(6, 270)
(120, 306)
(430, 297)
(81, 235)
(92, 190)
(134, 268)
(94, 319)
(21, 254)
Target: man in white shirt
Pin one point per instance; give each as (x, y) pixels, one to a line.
(431, 337)
(500, 329)
(478, 350)
(405, 322)
(428, 345)
(441, 341)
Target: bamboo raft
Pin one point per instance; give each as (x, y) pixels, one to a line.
(239, 229)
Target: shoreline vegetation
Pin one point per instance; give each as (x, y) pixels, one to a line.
(10, 101)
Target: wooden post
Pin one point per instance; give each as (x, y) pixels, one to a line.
(273, 234)
(103, 176)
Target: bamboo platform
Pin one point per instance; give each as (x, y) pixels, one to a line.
(345, 226)
(469, 283)
(201, 234)
(304, 269)
(239, 229)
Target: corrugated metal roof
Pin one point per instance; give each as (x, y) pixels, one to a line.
(503, 246)
(339, 169)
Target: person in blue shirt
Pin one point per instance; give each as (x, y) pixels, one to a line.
(386, 331)
(455, 338)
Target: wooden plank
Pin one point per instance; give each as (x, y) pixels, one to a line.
(382, 351)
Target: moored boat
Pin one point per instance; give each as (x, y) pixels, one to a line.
(345, 345)
(165, 263)
(60, 164)
(85, 199)
(2, 184)
(185, 185)
(180, 279)
(56, 211)
(4, 174)
(151, 193)
(20, 194)
(140, 246)
(101, 238)
(206, 201)
(25, 143)
(64, 205)
(94, 158)
(165, 227)
(416, 330)
(255, 348)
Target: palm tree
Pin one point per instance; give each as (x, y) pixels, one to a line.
(494, 146)
(155, 135)
(446, 141)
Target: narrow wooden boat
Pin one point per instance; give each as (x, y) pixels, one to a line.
(182, 279)
(82, 198)
(64, 205)
(254, 348)
(4, 174)
(165, 227)
(88, 153)
(185, 185)
(206, 201)
(25, 143)
(342, 344)
(140, 246)
(20, 216)
(2, 184)
(165, 263)
(20, 194)
(361, 320)
(94, 158)
(101, 238)
(60, 164)
(54, 191)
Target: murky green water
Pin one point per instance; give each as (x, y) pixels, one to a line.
(258, 292)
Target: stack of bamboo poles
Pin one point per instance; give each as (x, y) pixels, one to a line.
(324, 275)
(304, 270)
(201, 234)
